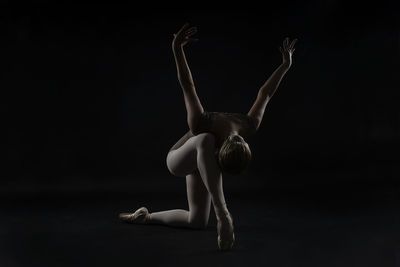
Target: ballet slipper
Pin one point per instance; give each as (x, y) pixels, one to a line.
(225, 228)
(140, 216)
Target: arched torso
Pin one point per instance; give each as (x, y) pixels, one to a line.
(221, 124)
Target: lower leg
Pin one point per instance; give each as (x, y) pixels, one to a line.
(212, 178)
(176, 218)
(199, 201)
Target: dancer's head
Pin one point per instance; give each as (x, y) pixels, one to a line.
(234, 154)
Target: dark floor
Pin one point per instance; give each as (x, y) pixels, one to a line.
(281, 225)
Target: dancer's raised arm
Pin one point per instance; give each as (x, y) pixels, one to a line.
(192, 102)
(269, 87)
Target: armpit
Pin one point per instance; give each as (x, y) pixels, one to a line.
(251, 124)
(203, 123)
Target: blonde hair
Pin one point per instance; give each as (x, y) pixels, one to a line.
(234, 156)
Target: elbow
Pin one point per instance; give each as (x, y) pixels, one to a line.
(265, 95)
(264, 98)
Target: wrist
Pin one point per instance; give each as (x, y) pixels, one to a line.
(286, 65)
(176, 46)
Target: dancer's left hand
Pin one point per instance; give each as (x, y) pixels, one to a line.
(287, 51)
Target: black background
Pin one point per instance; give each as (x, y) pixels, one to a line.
(92, 90)
(91, 104)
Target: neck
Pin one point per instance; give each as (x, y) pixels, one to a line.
(233, 132)
(224, 137)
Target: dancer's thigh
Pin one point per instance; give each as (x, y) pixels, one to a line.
(183, 160)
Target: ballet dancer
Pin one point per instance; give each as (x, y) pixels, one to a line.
(214, 144)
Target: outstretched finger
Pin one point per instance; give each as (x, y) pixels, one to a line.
(192, 39)
(184, 27)
(287, 42)
(292, 43)
(191, 31)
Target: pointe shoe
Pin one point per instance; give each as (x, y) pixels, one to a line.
(140, 216)
(226, 235)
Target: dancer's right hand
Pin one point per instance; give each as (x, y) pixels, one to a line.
(287, 51)
(183, 36)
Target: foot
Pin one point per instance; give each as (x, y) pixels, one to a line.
(225, 229)
(140, 216)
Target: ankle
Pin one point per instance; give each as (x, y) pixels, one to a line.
(222, 213)
(148, 218)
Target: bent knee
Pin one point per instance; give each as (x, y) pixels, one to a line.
(180, 165)
(172, 166)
